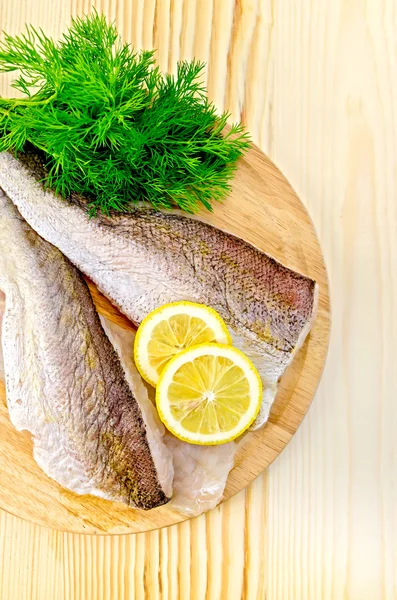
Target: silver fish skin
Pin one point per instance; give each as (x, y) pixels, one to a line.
(64, 381)
(146, 258)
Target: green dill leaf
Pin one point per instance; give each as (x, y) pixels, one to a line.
(111, 126)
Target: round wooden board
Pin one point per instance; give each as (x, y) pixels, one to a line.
(264, 210)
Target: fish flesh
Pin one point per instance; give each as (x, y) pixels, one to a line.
(201, 472)
(64, 381)
(146, 258)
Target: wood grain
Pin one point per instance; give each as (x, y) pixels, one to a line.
(275, 221)
(316, 83)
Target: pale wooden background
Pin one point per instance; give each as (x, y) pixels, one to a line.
(316, 83)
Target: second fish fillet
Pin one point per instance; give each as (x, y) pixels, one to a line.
(64, 381)
(201, 472)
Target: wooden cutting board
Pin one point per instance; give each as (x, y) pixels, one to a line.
(264, 210)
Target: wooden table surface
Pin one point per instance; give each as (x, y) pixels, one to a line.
(316, 83)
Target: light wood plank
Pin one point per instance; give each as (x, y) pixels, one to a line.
(341, 465)
(320, 96)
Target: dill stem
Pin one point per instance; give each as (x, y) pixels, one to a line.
(28, 102)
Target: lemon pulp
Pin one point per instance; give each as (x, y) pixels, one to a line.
(209, 394)
(172, 328)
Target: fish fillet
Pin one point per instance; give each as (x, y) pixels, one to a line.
(64, 381)
(200, 471)
(146, 258)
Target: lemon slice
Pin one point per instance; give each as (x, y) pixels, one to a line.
(209, 394)
(172, 328)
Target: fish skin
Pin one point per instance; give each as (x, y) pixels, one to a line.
(64, 380)
(147, 258)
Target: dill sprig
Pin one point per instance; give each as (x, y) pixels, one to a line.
(110, 125)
